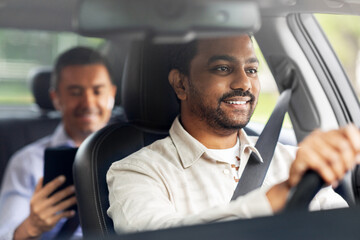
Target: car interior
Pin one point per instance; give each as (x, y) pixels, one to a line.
(138, 37)
(18, 132)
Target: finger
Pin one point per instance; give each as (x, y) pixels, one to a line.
(353, 134)
(60, 195)
(60, 207)
(65, 214)
(344, 141)
(306, 159)
(49, 222)
(336, 151)
(66, 204)
(51, 186)
(39, 184)
(347, 153)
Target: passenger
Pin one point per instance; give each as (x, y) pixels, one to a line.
(190, 176)
(82, 90)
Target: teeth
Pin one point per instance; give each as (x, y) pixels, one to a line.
(237, 102)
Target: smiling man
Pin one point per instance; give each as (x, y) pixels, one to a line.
(83, 92)
(190, 176)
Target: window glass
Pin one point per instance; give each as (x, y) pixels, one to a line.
(343, 33)
(268, 94)
(23, 51)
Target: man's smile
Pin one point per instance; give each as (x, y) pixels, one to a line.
(238, 102)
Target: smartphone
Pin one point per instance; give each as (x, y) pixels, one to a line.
(59, 161)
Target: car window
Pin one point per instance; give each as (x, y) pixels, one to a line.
(23, 51)
(268, 94)
(343, 33)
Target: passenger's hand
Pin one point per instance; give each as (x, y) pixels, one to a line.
(45, 211)
(331, 154)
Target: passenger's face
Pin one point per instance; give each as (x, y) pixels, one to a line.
(85, 96)
(223, 82)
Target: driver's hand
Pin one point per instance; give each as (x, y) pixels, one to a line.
(46, 211)
(331, 154)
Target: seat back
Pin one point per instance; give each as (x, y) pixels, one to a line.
(92, 161)
(150, 107)
(40, 86)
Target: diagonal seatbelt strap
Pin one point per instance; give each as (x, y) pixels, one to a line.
(255, 170)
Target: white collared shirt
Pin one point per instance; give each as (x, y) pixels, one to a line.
(176, 181)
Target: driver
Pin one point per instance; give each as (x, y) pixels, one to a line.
(190, 176)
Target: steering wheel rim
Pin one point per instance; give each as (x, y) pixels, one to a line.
(301, 195)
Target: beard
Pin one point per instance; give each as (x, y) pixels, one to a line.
(216, 117)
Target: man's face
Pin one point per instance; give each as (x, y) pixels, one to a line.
(85, 96)
(223, 85)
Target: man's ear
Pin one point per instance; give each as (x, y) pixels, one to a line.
(177, 81)
(55, 99)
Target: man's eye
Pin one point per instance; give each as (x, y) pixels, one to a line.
(98, 91)
(222, 69)
(75, 93)
(252, 71)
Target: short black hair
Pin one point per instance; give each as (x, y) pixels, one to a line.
(76, 56)
(181, 56)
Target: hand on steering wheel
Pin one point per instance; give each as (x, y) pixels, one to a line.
(301, 195)
(330, 154)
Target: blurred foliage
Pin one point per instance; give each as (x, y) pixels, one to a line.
(21, 51)
(39, 46)
(15, 93)
(343, 32)
(264, 108)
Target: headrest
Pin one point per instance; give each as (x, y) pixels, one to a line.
(40, 85)
(115, 54)
(147, 97)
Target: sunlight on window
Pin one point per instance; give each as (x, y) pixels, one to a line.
(343, 32)
(268, 94)
(23, 51)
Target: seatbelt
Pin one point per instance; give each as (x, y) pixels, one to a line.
(255, 171)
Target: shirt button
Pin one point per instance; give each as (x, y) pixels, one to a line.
(226, 171)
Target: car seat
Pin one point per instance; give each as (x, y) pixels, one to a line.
(40, 85)
(150, 107)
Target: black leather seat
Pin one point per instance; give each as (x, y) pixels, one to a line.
(16, 132)
(40, 85)
(150, 106)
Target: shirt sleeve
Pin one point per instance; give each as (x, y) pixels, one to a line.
(139, 201)
(17, 188)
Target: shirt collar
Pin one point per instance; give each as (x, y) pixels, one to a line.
(60, 138)
(190, 149)
(247, 142)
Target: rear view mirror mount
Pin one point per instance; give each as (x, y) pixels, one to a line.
(167, 20)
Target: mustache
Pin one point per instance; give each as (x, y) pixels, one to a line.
(237, 93)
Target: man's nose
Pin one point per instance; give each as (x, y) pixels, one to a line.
(88, 99)
(241, 81)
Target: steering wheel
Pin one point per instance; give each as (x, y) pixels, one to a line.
(301, 195)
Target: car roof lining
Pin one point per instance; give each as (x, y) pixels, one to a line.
(54, 15)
